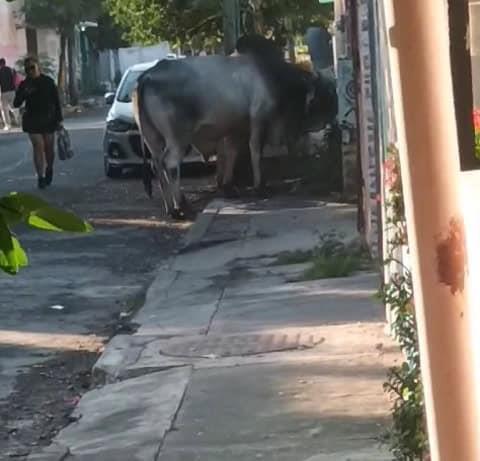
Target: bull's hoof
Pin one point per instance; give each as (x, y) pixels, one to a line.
(231, 192)
(183, 213)
(261, 192)
(148, 189)
(178, 214)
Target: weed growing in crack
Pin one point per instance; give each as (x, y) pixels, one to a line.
(332, 258)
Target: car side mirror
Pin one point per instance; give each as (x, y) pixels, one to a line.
(109, 98)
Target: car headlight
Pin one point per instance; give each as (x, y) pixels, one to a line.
(120, 126)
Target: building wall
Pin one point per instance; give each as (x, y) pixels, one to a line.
(49, 44)
(13, 43)
(111, 61)
(13, 40)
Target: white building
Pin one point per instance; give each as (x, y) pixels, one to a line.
(17, 40)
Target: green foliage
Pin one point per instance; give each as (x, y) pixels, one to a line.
(61, 15)
(407, 437)
(293, 16)
(294, 257)
(335, 266)
(477, 145)
(12, 255)
(107, 36)
(332, 258)
(16, 209)
(180, 22)
(198, 23)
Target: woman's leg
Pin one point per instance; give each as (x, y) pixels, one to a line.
(38, 155)
(49, 142)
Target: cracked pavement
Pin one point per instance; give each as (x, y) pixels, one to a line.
(238, 359)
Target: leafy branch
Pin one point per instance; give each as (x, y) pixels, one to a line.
(407, 436)
(16, 209)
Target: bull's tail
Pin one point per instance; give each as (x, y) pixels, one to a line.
(137, 102)
(136, 112)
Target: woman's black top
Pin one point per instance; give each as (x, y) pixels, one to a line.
(43, 112)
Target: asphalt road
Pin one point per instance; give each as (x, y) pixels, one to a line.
(56, 315)
(16, 169)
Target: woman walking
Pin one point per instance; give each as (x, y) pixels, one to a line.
(42, 117)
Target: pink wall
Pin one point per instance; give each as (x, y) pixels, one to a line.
(12, 39)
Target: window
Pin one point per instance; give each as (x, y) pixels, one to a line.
(127, 86)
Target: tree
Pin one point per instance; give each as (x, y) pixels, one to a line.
(199, 22)
(183, 23)
(108, 35)
(284, 19)
(63, 16)
(27, 209)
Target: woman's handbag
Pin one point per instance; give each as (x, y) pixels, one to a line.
(64, 146)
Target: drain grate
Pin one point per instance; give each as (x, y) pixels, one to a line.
(240, 345)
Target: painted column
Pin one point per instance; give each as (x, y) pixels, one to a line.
(366, 129)
(346, 88)
(428, 145)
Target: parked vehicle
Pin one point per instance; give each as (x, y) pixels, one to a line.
(122, 143)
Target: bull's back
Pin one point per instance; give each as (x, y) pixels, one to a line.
(211, 89)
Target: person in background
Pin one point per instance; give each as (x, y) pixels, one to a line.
(42, 117)
(7, 93)
(320, 47)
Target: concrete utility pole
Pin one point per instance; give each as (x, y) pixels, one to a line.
(446, 313)
(231, 25)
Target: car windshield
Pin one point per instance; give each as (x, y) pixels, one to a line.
(128, 85)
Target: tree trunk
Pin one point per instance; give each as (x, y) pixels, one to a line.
(259, 22)
(231, 25)
(290, 40)
(62, 66)
(72, 69)
(258, 19)
(291, 50)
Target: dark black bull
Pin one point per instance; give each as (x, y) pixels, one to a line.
(199, 101)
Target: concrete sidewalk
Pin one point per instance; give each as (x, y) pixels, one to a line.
(238, 359)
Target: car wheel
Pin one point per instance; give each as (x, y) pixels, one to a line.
(112, 171)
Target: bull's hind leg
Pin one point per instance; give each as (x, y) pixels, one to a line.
(163, 184)
(153, 168)
(175, 153)
(232, 146)
(257, 138)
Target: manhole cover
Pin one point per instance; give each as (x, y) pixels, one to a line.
(240, 345)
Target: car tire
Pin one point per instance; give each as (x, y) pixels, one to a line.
(112, 171)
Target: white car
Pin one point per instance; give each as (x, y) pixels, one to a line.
(122, 144)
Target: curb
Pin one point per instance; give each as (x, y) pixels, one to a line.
(121, 349)
(54, 452)
(201, 225)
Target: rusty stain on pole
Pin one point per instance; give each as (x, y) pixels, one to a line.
(452, 257)
(430, 163)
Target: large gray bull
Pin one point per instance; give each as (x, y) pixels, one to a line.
(199, 101)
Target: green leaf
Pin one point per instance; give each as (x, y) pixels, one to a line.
(12, 255)
(51, 219)
(11, 215)
(38, 214)
(22, 203)
(20, 253)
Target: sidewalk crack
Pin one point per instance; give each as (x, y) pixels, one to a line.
(215, 312)
(175, 416)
